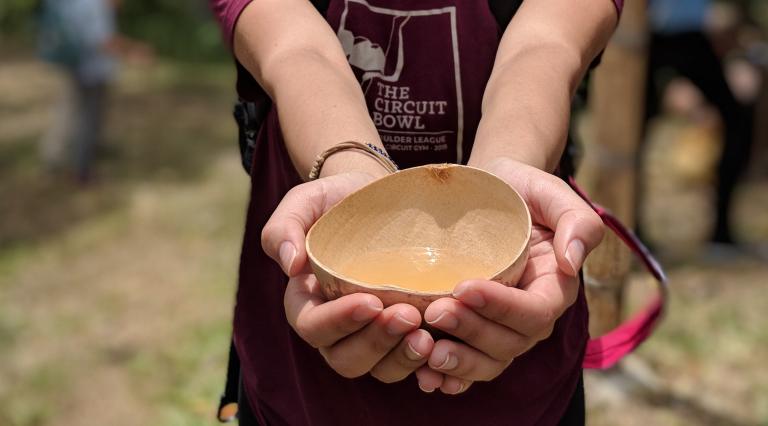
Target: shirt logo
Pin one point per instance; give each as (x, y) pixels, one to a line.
(407, 62)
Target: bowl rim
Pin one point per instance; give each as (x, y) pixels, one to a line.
(391, 287)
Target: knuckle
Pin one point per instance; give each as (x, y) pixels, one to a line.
(546, 333)
(587, 219)
(408, 364)
(266, 234)
(384, 377)
(488, 371)
(343, 328)
(324, 353)
(379, 346)
(592, 218)
(509, 351)
(348, 373)
(570, 298)
(547, 318)
(295, 192)
(378, 375)
(495, 371)
(529, 346)
(344, 367)
(464, 369)
(486, 376)
(596, 221)
(471, 334)
(318, 197)
(503, 312)
(595, 227)
(491, 375)
(307, 334)
(599, 230)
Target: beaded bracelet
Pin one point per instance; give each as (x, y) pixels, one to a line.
(373, 151)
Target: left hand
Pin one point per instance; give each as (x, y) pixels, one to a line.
(355, 334)
(499, 323)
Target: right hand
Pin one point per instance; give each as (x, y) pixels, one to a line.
(354, 333)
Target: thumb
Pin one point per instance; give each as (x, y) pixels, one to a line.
(578, 229)
(553, 204)
(283, 238)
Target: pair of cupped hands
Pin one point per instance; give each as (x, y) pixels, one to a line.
(356, 334)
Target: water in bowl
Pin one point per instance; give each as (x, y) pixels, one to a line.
(421, 269)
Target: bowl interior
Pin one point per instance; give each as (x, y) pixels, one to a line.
(423, 229)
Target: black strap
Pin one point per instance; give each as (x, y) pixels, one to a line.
(504, 10)
(231, 387)
(321, 5)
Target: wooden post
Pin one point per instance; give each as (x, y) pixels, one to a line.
(617, 102)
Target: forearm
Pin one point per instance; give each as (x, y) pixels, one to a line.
(320, 104)
(318, 100)
(526, 109)
(542, 57)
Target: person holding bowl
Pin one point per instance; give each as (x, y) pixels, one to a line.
(485, 83)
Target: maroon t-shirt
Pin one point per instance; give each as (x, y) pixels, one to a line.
(423, 66)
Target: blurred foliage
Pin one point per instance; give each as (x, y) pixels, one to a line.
(182, 29)
(758, 11)
(179, 29)
(17, 17)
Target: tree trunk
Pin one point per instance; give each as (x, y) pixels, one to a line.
(617, 102)
(760, 150)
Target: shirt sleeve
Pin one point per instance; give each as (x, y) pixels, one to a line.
(227, 12)
(619, 5)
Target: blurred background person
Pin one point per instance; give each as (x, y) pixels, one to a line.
(679, 44)
(80, 38)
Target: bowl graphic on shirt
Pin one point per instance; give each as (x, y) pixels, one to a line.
(373, 58)
(412, 236)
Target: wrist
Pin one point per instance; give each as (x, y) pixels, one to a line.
(351, 161)
(524, 141)
(510, 159)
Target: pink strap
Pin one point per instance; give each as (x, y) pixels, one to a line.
(605, 351)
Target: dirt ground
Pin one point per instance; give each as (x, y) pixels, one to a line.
(115, 300)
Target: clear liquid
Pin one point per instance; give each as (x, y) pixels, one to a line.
(420, 269)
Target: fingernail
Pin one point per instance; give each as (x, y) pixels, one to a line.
(366, 312)
(399, 325)
(470, 297)
(575, 255)
(427, 390)
(287, 255)
(457, 391)
(445, 321)
(449, 363)
(412, 354)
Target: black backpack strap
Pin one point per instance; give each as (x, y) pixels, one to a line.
(504, 10)
(228, 404)
(321, 5)
(249, 117)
